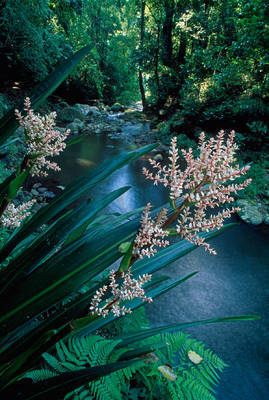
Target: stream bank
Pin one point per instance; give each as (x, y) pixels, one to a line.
(130, 125)
(127, 125)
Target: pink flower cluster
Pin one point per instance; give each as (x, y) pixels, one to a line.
(13, 216)
(41, 140)
(205, 183)
(128, 290)
(151, 234)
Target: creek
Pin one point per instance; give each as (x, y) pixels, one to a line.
(235, 282)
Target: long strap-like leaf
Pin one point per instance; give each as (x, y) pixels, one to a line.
(29, 259)
(8, 123)
(59, 386)
(141, 335)
(70, 194)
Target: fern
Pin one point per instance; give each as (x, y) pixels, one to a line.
(129, 323)
(87, 352)
(194, 381)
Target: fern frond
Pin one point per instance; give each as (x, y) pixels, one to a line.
(86, 352)
(196, 376)
(53, 363)
(40, 374)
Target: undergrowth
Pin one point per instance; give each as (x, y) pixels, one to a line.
(179, 367)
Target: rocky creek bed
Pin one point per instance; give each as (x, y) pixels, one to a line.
(128, 125)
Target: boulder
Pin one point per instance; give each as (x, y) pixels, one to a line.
(93, 110)
(84, 108)
(42, 189)
(158, 157)
(117, 107)
(251, 213)
(75, 127)
(69, 114)
(106, 128)
(48, 195)
(60, 129)
(94, 113)
(35, 192)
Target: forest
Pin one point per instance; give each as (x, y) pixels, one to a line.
(154, 116)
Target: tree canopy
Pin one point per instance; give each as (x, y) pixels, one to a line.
(206, 60)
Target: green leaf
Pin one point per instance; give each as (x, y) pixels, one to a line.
(15, 364)
(59, 386)
(70, 194)
(16, 183)
(8, 124)
(64, 272)
(124, 247)
(9, 142)
(140, 351)
(64, 232)
(20, 340)
(125, 262)
(146, 333)
(5, 185)
(82, 322)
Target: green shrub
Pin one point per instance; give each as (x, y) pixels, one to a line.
(259, 187)
(4, 105)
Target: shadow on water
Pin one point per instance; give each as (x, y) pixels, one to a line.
(235, 282)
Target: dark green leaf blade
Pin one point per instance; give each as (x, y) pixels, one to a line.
(70, 194)
(141, 335)
(8, 124)
(65, 231)
(59, 386)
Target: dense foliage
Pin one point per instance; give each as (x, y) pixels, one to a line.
(208, 60)
(34, 39)
(193, 371)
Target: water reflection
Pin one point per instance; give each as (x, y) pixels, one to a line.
(82, 157)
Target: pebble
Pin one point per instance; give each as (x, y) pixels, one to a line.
(42, 189)
(48, 195)
(158, 157)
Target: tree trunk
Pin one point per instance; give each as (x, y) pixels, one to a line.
(167, 33)
(140, 73)
(142, 90)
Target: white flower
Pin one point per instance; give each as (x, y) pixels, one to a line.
(129, 289)
(41, 140)
(151, 235)
(13, 216)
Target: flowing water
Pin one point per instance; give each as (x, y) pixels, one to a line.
(235, 282)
